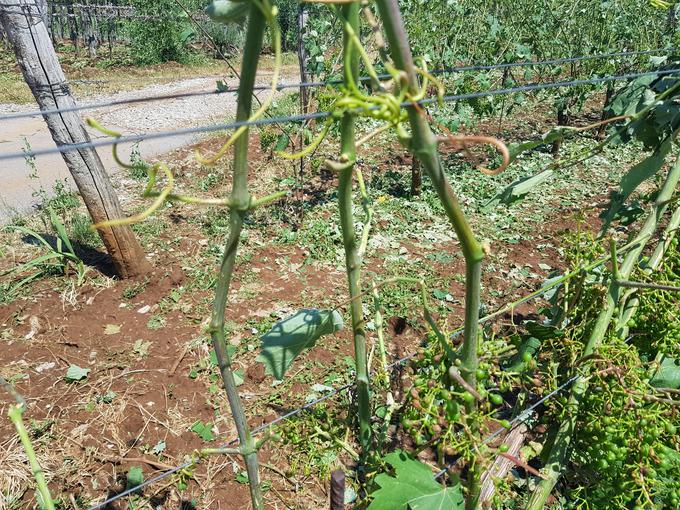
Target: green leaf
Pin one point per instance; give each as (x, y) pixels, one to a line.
(135, 478)
(76, 373)
(439, 294)
(61, 231)
(413, 487)
(289, 337)
(231, 350)
(221, 86)
(187, 34)
(203, 430)
(637, 175)
(518, 189)
(631, 99)
(559, 133)
(668, 375)
(158, 448)
(239, 377)
(226, 11)
(282, 143)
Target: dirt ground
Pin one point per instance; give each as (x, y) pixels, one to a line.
(151, 385)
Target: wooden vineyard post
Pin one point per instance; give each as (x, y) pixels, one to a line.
(338, 490)
(303, 17)
(41, 69)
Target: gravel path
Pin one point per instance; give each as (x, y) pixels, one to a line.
(137, 118)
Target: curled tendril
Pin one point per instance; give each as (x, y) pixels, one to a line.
(464, 142)
(160, 198)
(427, 77)
(384, 105)
(270, 12)
(109, 132)
(312, 146)
(166, 193)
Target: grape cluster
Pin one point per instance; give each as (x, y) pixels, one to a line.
(435, 412)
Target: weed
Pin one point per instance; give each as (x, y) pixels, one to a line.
(139, 169)
(57, 260)
(134, 289)
(210, 181)
(156, 322)
(81, 231)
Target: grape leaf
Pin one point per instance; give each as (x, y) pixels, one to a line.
(76, 373)
(644, 170)
(668, 375)
(516, 190)
(290, 336)
(413, 487)
(559, 133)
(226, 11)
(203, 430)
(282, 143)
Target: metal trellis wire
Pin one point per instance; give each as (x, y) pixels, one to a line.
(521, 416)
(320, 115)
(314, 84)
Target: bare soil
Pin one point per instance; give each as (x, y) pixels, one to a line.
(149, 379)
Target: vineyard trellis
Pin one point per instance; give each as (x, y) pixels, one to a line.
(286, 119)
(398, 364)
(364, 79)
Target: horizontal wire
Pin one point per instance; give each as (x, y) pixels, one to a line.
(521, 416)
(141, 486)
(436, 72)
(318, 115)
(313, 84)
(264, 426)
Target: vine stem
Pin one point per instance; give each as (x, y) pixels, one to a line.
(350, 13)
(15, 415)
(424, 147)
(562, 445)
(240, 200)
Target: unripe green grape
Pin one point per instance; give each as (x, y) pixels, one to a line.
(468, 397)
(495, 399)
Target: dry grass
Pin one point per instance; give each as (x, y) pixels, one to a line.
(97, 80)
(16, 477)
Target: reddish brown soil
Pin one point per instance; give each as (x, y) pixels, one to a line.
(91, 444)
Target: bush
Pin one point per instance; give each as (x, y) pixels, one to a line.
(160, 40)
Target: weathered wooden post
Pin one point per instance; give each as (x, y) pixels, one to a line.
(35, 54)
(303, 16)
(337, 490)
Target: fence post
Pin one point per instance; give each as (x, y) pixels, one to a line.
(39, 64)
(303, 17)
(337, 490)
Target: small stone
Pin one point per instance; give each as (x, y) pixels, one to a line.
(144, 309)
(45, 366)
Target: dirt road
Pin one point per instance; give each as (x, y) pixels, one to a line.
(17, 188)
